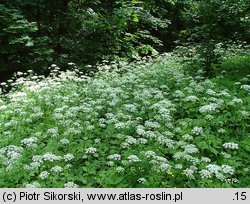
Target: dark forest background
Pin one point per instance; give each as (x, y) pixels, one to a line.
(36, 33)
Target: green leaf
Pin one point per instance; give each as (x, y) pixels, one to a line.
(136, 19)
(29, 44)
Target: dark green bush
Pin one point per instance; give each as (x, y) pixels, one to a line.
(237, 66)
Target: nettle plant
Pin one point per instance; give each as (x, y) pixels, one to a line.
(146, 124)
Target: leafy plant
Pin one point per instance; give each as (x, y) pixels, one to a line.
(146, 124)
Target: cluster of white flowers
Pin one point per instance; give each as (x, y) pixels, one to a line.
(51, 157)
(30, 142)
(226, 155)
(152, 124)
(119, 169)
(162, 104)
(191, 99)
(150, 154)
(224, 93)
(110, 163)
(210, 108)
(221, 130)
(90, 150)
(140, 130)
(56, 169)
(178, 93)
(53, 132)
(218, 171)
(150, 134)
(230, 145)
(33, 185)
(179, 155)
(235, 101)
(70, 185)
(163, 167)
(125, 145)
(232, 180)
(245, 113)
(227, 169)
(237, 83)
(10, 123)
(130, 140)
(189, 172)
(208, 83)
(68, 157)
(198, 88)
(10, 154)
(211, 92)
(187, 137)
(245, 87)
(38, 160)
(190, 149)
(97, 140)
(72, 130)
(141, 180)
(205, 174)
(178, 166)
(142, 141)
(44, 175)
(209, 117)
(120, 125)
(197, 130)
(165, 141)
(133, 159)
(64, 141)
(130, 107)
(114, 157)
(245, 79)
(3, 107)
(160, 159)
(206, 159)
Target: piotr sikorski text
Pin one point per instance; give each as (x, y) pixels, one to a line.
(50, 196)
(77, 196)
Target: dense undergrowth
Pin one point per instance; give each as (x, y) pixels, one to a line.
(147, 124)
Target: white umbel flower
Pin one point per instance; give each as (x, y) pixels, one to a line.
(70, 185)
(133, 158)
(68, 157)
(90, 150)
(230, 145)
